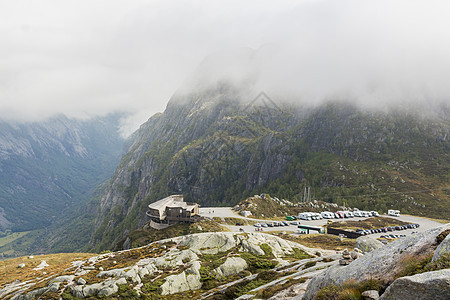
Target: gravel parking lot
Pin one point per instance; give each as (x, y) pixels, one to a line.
(224, 212)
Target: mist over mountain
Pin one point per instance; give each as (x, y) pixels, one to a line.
(222, 139)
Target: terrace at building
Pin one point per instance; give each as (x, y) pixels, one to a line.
(173, 209)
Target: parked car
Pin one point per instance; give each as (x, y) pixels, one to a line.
(294, 223)
(264, 225)
(257, 225)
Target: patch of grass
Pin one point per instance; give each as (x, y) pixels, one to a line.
(348, 291)
(300, 254)
(267, 250)
(9, 271)
(416, 264)
(258, 262)
(152, 286)
(12, 237)
(233, 221)
(322, 241)
(309, 264)
(245, 286)
(370, 223)
(214, 260)
(272, 290)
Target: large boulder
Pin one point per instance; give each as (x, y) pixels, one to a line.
(231, 266)
(443, 248)
(209, 243)
(431, 285)
(381, 264)
(367, 244)
(185, 281)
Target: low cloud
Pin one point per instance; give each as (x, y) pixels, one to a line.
(87, 58)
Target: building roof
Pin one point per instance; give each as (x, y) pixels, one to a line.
(166, 202)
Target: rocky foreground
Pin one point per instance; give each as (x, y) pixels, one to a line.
(426, 253)
(225, 265)
(192, 266)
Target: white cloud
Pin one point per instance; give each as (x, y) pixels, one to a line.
(84, 58)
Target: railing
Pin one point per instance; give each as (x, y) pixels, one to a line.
(148, 213)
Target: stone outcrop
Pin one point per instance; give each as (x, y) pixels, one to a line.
(185, 281)
(381, 264)
(367, 244)
(370, 295)
(213, 243)
(430, 285)
(443, 248)
(231, 266)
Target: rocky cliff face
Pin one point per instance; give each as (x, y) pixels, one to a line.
(46, 167)
(218, 145)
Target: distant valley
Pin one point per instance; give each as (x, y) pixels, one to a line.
(49, 169)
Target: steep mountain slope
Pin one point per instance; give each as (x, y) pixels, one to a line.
(48, 167)
(217, 145)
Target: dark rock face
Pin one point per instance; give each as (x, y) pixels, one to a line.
(216, 146)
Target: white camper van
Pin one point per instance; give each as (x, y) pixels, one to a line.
(305, 216)
(394, 213)
(327, 215)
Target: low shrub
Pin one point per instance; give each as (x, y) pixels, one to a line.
(257, 262)
(309, 264)
(347, 291)
(272, 290)
(151, 286)
(419, 264)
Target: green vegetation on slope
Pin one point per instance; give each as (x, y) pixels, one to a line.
(219, 154)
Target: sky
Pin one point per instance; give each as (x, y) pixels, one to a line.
(87, 58)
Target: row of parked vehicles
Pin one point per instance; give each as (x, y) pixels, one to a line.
(387, 229)
(308, 216)
(392, 236)
(275, 224)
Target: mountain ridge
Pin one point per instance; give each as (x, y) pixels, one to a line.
(216, 149)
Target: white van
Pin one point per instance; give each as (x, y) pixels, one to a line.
(365, 214)
(305, 216)
(327, 215)
(394, 213)
(317, 216)
(357, 213)
(375, 213)
(348, 214)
